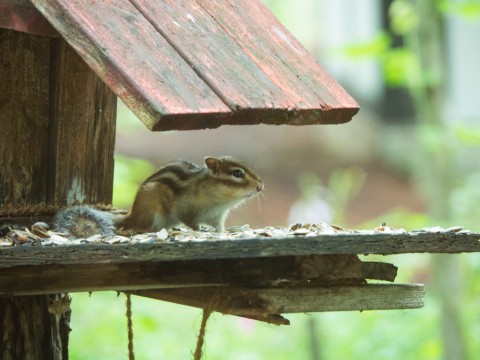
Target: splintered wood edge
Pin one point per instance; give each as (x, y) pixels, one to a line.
(275, 301)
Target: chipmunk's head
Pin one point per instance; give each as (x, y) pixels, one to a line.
(233, 177)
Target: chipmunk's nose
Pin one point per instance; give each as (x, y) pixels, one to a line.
(260, 187)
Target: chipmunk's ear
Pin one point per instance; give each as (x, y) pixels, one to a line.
(213, 164)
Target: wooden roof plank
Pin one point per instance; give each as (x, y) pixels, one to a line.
(284, 60)
(214, 55)
(200, 64)
(140, 66)
(21, 15)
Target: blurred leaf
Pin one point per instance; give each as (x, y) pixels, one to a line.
(469, 9)
(374, 48)
(403, 17)
(400, 66)
(467, 134)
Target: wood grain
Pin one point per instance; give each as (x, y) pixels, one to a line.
(214, 55)
(24, 118)
(383, 244)
(265, 301)
(21, 15)
(56, 148)
(317, 97)
(58, 125)
(82, 132)
(193, 65)
(138, 64)
(113, 275)
(30, 331)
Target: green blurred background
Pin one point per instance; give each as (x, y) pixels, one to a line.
(410, 158)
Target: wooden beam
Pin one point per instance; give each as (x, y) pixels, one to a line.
(265, 301)
(383, 244)
(114, 275)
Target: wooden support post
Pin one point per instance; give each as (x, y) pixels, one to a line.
(57, 124)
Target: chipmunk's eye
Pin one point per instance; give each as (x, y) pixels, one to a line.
(238, 173)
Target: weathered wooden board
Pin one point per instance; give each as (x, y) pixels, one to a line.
(213, 54)
(31, 342)
(324, 270)
(53, 108)
(318, 98)
(189, 65)
(82, 132)
(44, 125)
(24, 76)
(264, 301)
(21, 15)
(383, 244)
(138, 64)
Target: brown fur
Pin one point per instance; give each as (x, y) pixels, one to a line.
(182, 192)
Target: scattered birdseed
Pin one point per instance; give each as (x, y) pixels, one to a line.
(40, 234)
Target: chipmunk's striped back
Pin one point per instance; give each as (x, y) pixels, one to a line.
(183, 192)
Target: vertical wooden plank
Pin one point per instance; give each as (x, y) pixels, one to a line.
(57, 138)
(82, 136)
(29, 330)
(24, 118)
(57, 149)
(36, 340)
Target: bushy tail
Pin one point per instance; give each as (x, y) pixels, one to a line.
(84, 221)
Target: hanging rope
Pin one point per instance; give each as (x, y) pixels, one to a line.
(201, 335)
(131, 354)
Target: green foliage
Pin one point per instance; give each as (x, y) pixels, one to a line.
(404, 18)
(168, 331)
(467, 135)
(372, 49)
(457, 149)
(468, 9)
(129, 173)
(399, 65)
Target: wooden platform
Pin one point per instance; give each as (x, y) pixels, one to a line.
(249, 277)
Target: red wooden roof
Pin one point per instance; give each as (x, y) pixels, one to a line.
(191, 64)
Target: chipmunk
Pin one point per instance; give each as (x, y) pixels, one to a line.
(180, 192)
